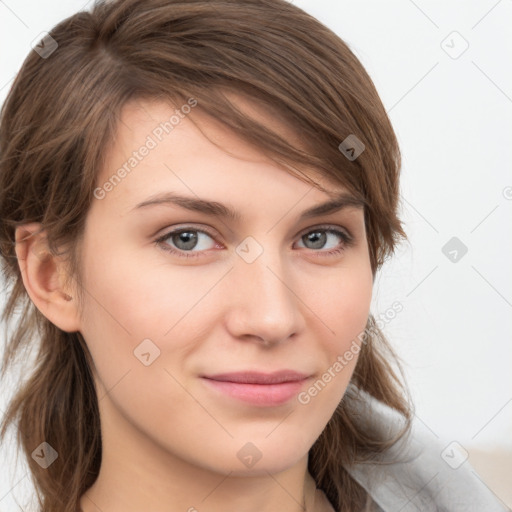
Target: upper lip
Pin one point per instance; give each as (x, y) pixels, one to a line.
(252, 377)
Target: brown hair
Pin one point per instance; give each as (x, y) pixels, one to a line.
(59, 120)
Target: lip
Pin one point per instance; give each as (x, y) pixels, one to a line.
(257, 388)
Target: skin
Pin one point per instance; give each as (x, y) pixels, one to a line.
(170, 442)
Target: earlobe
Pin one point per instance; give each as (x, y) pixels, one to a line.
(43, 276)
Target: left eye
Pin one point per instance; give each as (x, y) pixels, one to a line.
(182, 241)
(318, 237)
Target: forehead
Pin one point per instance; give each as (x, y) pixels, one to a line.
(161, 146)
(140, 117)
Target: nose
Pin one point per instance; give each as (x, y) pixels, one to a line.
(265, 305)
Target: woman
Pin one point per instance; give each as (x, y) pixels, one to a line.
(195, 200)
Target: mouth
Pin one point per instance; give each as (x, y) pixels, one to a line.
(257, 388)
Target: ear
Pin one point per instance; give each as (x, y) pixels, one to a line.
(44, 277)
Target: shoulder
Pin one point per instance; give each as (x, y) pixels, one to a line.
(421, 472)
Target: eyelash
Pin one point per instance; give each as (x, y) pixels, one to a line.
(347, 241)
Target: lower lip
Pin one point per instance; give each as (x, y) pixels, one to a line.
(259, 394)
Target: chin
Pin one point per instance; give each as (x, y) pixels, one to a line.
(273, 454)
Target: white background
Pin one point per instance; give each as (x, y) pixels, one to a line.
(453, 119)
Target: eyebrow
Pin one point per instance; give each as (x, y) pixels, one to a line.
(339, 202)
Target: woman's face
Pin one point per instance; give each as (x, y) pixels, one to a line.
(268, 290)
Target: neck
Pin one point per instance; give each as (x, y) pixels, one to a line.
(136, 474)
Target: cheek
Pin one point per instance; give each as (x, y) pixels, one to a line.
(161, 315)
(153, 314)
(141, 299)
(344, 306)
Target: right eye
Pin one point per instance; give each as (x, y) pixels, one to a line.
(181, 241)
